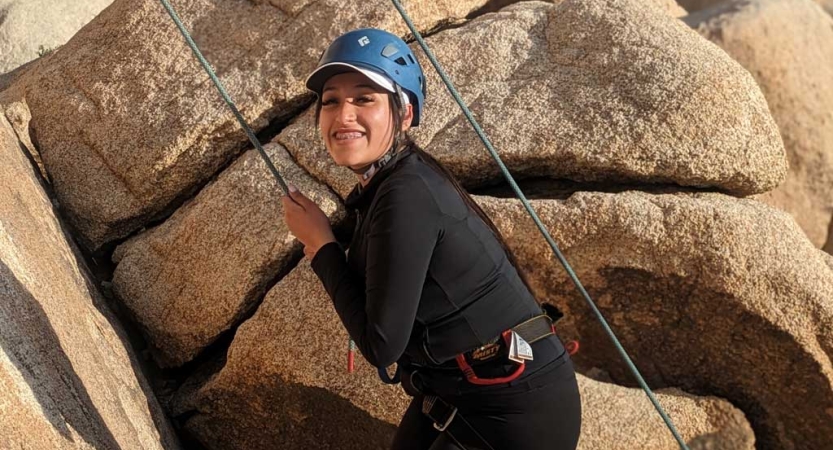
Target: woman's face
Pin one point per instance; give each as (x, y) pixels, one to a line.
(355, 120)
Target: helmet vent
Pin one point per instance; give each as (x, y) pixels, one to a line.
(389, 50)
(400, 61)
(411, 58)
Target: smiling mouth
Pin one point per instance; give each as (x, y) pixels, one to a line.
(348, 136)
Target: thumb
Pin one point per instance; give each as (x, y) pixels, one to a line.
(296, 195)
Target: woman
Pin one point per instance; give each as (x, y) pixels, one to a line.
(428, 283)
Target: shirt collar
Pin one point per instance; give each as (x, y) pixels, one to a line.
(360, 197)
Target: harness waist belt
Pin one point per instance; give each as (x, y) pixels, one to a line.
(505, 348)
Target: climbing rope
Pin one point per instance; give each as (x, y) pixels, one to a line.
(225, 95)
(491, 150)
(537, 221)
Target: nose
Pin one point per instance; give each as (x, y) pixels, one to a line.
(347, 112)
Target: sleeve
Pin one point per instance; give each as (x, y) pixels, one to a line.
(401, 238)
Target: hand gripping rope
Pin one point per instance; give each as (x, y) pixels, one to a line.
(494, 155)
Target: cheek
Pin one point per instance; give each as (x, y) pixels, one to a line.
(324, 125)
(380, 123)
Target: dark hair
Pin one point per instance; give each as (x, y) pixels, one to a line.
(401, 138)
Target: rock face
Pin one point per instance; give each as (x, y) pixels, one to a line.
(127, 122)
(618, 418)
(698, 5)
(794, 68)
(68, 379)
(706, 292)
(721, 299)
(201, 271)
(671, 7)
(27, 26)
(609, 91)
(827, 5)
(286, 367)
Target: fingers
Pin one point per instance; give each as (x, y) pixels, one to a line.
(300, 199)
(290, 203)
(297, 195)
(294, 199)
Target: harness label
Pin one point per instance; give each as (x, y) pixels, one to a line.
(485, 352)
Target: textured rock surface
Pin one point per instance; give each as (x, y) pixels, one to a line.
(127, 121)
(286, 368)
(794, 67)
(698, 5)
(827, 5)
(619, 418)
(671, 7)
(197, 274)
(28, 25)
(707, 293)
(609, 91)
(68, 379)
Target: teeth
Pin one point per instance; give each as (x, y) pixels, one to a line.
(351, 135)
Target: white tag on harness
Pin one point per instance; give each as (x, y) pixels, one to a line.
(519, 349)
(522, 348)
(513, 348)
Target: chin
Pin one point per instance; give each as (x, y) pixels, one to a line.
(346, 159)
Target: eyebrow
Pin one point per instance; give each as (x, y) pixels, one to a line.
(368, 86)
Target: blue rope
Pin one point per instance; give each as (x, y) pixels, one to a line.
(225, 95)
(535, 218)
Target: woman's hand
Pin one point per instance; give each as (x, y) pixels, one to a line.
(306, 221)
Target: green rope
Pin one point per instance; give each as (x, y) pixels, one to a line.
(225, 95)
(535, 218)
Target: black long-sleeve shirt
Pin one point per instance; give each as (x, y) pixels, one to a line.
(420, 256)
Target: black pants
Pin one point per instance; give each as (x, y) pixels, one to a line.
(542, 412)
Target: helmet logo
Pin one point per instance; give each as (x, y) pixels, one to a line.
(364, 41)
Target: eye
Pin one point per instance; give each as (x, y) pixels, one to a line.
(364, 99)
(329, 101)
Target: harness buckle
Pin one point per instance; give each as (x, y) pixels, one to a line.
(440, 412)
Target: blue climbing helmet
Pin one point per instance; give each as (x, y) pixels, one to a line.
(373, 52)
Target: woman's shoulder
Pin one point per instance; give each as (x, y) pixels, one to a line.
(414, 173)
(415, 181)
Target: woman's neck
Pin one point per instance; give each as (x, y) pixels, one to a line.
(361, 177)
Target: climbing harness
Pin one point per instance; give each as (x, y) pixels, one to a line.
(538, 222)
(445, 419)
(443, 414)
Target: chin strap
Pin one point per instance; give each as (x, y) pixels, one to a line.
(367, 171)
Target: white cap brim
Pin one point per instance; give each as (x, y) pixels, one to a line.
(315, 81)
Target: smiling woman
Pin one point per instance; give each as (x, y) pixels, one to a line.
(356, 121)
(429, 283)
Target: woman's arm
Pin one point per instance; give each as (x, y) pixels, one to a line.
(400, 242)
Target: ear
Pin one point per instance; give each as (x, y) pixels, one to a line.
(408, 117)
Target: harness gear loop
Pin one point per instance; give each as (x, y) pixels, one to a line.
(530, 331)
(387, 379)
(572, 347)
(472, 378)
